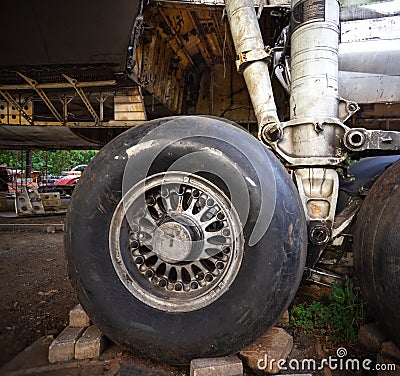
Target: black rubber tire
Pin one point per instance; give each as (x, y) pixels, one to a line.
(268, 278)
(377, 250)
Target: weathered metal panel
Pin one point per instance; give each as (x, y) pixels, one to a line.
(379, 57)
(42, 137)
(386, 28)
(369, 58)
(45, 32)
(369, 87)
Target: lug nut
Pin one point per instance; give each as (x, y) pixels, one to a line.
(149, 273)
(226, 250)
(178, 286)
(139, 260)
(194, 285)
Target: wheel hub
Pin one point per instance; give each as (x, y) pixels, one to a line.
(173, 242)
(184, 242)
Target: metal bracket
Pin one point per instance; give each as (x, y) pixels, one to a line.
(322, 277)
(360, 139)
(101, 101)
(318, 189)
(83, 96)
(347, 109)
(43, 96)
(247, 57)
(65, 101)
(10, 99)
(318, 142)
(58, 85)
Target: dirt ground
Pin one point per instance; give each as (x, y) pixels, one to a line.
(36, 294)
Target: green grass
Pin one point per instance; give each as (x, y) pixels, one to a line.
(339, 316)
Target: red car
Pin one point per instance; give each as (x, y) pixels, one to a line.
(67, 183)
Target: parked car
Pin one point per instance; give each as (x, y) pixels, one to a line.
(77, 170)
(66, 184)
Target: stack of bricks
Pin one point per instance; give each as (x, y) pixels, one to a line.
(79, 340)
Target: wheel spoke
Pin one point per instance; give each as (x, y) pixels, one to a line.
(193, 202)
(176, 223)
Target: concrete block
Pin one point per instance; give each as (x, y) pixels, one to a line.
(391, 351)
(223, 366)
(36, 201)
(78, 317)
(22, 203)
(51, 229)
(63, 347)
(264, 354)
(371, 336)
(90, 345)
(51, 201)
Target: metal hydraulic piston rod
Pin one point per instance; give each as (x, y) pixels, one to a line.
(310, 141)
(252, 61)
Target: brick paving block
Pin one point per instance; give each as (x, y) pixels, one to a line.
(371, 337)
(63, 347)
(90, 345)
(223, 366)
(391, 351)
(275, 345)
(78, 317)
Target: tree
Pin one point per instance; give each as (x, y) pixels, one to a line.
(56, 161)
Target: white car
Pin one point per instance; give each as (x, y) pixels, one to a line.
(77, 170)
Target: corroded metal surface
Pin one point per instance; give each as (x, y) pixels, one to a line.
(78, 32)
(42, 137)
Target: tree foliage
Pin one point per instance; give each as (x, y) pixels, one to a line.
(56, 161)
